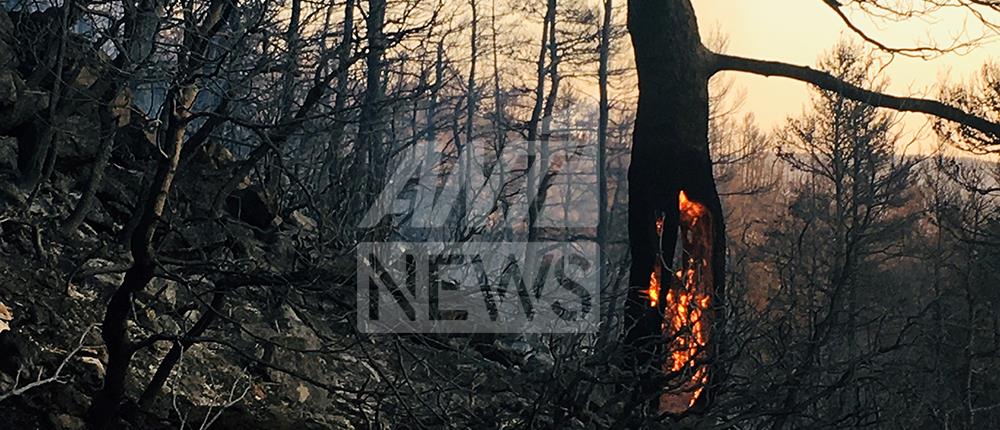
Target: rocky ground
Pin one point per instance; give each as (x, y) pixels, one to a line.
(248, 322)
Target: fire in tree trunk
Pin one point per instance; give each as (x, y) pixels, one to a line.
(673, 343)
(686, 306)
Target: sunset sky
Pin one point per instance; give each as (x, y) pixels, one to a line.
(798, 31)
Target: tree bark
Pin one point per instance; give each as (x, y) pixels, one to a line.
(669, 154)
(41, 151)
(541, 114)
(340, 95)
(174, 355)
(370, 130)
(610, 298)
(105, 407)
(499, 119)
(470, 115)
(535, 170)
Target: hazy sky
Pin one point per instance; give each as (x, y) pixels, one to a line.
(798, 31)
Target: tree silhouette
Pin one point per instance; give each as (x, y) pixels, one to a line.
(670, 147)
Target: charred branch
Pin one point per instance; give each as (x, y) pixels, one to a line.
(826, 81)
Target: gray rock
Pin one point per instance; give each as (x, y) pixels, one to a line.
(302, 221)
(8, 153)
(8, 85)
(66, 422)
(6, 26)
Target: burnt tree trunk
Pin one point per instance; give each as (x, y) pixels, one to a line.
(109, 403)
(370, 128)
(106, 405)
(609, 297)
(344, 50)
(173, 356)
(669, 154)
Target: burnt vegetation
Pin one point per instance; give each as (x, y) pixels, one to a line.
(186, 188)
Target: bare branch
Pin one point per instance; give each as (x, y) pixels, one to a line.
(57, 375)
(914, 51)
(829, 82)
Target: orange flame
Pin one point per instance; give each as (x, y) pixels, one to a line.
(687, 306)
(654, 277)
(654, 289)
(691, 209)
